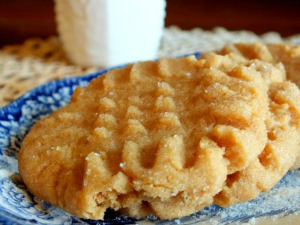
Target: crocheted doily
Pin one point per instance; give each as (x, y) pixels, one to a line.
(38, 61)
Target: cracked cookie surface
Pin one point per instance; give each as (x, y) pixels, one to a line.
(282, 55)
(153, 137)
(281, 152)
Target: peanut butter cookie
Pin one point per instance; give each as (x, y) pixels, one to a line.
(153, 137)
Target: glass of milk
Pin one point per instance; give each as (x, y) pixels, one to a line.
(110, 32)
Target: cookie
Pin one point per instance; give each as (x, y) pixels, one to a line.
(278, 156)
(153, 137)
(279, 54)
(283, 127)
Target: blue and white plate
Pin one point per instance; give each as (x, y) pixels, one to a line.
(18, 206)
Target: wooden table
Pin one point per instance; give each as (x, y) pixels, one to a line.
(22, 19)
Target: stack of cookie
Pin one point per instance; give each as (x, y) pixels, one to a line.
(171, 137)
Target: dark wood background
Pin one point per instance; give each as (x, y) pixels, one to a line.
(21, 19)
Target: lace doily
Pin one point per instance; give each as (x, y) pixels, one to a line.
(37, 61)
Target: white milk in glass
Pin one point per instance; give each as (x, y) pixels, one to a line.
(110, 32)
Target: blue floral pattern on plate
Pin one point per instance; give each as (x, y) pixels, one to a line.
(18, 206)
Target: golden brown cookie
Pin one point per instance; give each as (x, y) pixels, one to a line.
(282, 55)
(278, 156)
(154, 137)
(283, 125)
